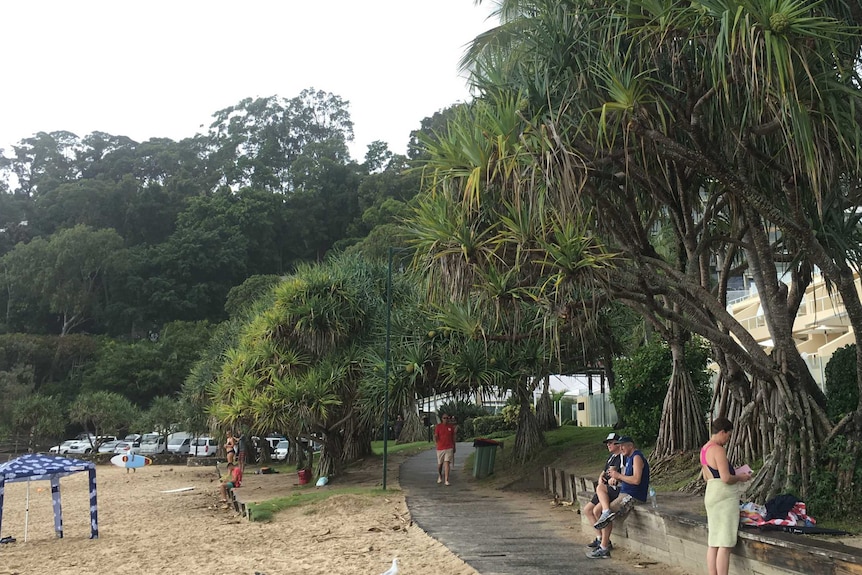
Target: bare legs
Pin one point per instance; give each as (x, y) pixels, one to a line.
(443, 471)
(718, 560)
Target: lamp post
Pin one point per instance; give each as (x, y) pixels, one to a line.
(392, 251)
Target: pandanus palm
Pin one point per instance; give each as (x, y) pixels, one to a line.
(497, 258)
(699, 113)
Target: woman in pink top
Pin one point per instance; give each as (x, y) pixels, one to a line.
(722, 498)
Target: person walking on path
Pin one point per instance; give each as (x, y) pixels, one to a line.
(721, 499)
(444, 436)
(607, 489)
(634, 486)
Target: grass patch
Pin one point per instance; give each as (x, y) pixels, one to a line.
(578, 449)
(405, 448)
(263, 511)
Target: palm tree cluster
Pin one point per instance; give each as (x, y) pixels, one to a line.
(648, 152)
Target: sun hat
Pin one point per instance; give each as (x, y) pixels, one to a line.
(611, 437)
(624, 439)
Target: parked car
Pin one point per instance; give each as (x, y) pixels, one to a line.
(203, 447)
(126, 447)
(179, 443)
(80, 447)
(63, 448)
(134, 439)
(281, 450)
(108, 446)
(153, 445)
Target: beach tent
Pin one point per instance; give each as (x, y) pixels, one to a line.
(33, 467)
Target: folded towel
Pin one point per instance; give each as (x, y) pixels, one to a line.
(722, 513)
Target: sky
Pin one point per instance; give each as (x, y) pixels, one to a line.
(161, 68)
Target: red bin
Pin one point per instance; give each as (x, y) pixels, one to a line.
(304, 476)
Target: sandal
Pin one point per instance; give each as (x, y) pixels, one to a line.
(8, 539)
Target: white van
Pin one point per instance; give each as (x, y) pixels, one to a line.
(179, 443)
(203, 447)
(153, 445)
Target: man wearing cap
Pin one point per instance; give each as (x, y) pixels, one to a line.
(607, 489)
(634, 486)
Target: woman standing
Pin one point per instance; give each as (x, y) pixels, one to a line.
(722, 498)
(230, 448)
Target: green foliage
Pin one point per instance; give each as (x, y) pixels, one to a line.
(842, 393)
(102, 412)
(489, 424)
(836, 459)
(511, 412)
(67, 272)
(38, 417)
(145, 369)
(641, 385)
(240, 298)
(163, 414)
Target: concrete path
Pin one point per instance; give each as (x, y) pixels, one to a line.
(489, 531)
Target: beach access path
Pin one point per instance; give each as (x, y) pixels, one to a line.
(501, 533)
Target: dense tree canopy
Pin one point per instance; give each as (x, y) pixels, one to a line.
(698, 142)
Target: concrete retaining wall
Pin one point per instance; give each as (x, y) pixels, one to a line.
(675, 535)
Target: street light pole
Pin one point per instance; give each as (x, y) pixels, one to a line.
(386, 368)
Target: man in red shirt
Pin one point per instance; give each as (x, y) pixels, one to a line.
(444, 435)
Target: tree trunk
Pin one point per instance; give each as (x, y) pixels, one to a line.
(529, 437)
(356, 441)
(682, 425)
(330, 456)
(545, 416)
(413, 429)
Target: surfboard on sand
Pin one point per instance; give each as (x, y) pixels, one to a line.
(130, 461)
(178, 490)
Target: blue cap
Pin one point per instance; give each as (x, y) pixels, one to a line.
(624, 439)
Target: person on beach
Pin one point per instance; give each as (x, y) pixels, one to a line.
(444, 436)
(230, 481)
(230, 448)
(242, 450)
(607, 489)
(634, 486)
(721, 499)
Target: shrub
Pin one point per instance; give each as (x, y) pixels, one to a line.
(842, 395)
(641, 385)
(823, 502)
(488, 424)
(465, 412)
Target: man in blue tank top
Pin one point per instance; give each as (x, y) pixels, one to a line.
(634, 486)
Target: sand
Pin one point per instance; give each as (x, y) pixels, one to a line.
(143, 531)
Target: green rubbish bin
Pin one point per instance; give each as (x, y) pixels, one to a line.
(486, 453)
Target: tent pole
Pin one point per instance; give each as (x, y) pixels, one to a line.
(27, 511)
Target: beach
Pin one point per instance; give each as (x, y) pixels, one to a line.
(144, 530)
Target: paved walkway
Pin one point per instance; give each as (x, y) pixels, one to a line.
(490, 531)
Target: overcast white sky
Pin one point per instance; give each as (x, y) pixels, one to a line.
(161, 68)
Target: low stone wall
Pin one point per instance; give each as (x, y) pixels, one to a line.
(675, 535)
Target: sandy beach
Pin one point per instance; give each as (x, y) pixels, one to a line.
(144, 530)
